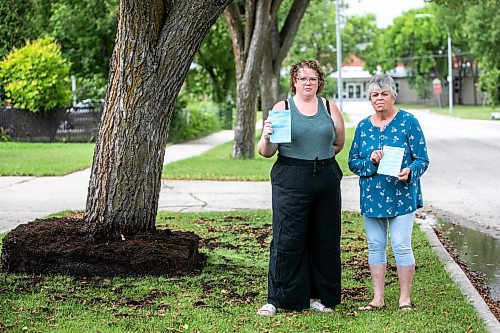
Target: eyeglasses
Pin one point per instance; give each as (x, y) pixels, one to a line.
(305, 80)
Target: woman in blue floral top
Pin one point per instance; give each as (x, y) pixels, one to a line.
(388, 201)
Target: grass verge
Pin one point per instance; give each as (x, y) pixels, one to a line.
(44, 159)
(226, 294)
(459, 111)
(217, 164)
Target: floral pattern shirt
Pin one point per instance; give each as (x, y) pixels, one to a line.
(381, 195)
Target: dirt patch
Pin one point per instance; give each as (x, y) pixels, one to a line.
(59, 246)
(355, 293)
(475, 278)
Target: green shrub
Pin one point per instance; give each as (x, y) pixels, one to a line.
(4, 136)
(193, 120)
(36, 76)
(91, 88)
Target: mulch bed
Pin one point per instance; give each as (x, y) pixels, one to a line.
(476, 279)
(59, 246)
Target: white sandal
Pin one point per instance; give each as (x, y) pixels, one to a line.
(267, 310)
(316, 305)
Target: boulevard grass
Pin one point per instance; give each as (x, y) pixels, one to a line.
(217, 164)
(44, 159)
(459, 111)
(225, 295)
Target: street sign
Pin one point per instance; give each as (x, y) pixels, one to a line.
(436, 84)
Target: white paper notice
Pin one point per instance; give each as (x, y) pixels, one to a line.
(282, 126)
(390, 164)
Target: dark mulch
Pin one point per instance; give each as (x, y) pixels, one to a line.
(475, 278)
(59, 246)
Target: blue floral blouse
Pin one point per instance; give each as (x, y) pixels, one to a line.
(381, 195)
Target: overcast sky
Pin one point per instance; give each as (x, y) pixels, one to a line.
(384, 10)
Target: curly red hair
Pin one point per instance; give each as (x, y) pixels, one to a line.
(311, 64)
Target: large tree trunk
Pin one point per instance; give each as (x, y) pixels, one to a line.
(259, 49)
(154, 47)
(275, 53)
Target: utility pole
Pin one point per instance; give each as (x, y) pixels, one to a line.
(339, 57)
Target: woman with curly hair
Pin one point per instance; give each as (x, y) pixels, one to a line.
(304, 266)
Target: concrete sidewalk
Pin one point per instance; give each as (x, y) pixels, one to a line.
(23, 199)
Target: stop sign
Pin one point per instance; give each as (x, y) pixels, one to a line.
(436, 84)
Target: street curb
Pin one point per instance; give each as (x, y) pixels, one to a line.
(458, 275)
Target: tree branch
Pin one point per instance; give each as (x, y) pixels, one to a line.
(275, 6)
(290, 28)
(233, 18)
(249, 22)
(260, 36)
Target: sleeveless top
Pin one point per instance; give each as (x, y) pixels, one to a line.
(312, 136)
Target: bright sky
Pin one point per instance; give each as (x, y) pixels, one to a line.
(384, 10)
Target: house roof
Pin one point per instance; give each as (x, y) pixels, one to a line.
(352, 68)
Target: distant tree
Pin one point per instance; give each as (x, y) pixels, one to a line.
(251, 24)
(316, 38)
(15, 25)
(419, 43)
(358, 34)
(86, 31)
(283, 32)
(213, 71)
(482, 26)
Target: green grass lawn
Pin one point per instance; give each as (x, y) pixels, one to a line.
(56, 159)
(217, 164)
(44, 159)
(460, 111)
(226, 294)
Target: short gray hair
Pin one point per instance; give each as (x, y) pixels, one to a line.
(383, 82)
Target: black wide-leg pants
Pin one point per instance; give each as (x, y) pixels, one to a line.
(305, 249)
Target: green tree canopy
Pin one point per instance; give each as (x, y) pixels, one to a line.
(86, 31)
(15, 25)
(316, 38)
(214, 72)
(420, 43)
(482, 26)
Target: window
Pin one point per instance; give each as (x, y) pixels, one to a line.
(397, 86)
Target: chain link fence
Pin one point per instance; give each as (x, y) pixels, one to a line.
(75, 124)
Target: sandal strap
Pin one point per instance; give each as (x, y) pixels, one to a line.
(370, 307)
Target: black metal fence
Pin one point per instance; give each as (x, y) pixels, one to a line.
(76, 124)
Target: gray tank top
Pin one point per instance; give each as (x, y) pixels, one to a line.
(312, 136)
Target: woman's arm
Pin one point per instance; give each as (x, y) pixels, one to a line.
(418, 151)
(265, 147)
(362, 167)
(338, 121)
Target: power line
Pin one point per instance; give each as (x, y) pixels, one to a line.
(425, 56)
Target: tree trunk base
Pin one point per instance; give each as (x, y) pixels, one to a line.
(59, 246)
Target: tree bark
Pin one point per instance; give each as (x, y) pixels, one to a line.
(154, 47)
(249, 36)
(258, 45)
(280, 44)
